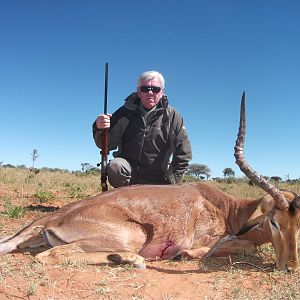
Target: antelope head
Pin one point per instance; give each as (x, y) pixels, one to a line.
(282, 222)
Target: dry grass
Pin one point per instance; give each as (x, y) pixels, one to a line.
(21, 184)
(243, 189)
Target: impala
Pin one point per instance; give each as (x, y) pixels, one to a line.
(147, 222)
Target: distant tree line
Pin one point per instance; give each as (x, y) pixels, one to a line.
(195, 171)
(202, 171)
(86, 168)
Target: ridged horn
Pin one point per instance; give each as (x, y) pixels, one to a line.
(280, 202)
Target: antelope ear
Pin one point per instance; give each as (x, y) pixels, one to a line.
(296, 202)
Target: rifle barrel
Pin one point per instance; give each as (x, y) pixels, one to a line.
(105, 88)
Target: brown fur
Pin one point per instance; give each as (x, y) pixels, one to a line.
(130, 224)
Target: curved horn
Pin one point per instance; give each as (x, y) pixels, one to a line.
(280, 202)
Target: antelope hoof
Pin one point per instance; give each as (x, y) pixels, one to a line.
(133, 259)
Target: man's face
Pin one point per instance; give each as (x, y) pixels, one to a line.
(149, 97)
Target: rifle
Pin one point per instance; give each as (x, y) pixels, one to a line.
(104, 139)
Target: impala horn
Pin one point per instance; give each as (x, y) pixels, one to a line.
(280, 202)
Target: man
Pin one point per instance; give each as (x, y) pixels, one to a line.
(148, 132)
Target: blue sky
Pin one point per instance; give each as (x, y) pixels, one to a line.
(52, 58)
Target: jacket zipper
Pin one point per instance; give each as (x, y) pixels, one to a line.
(142, 146)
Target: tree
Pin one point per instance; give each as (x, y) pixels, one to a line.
(228, 172)
(85, 167)
(276, 178)
(34, 155)
(199, 169)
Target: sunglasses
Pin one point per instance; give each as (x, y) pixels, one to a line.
(147, 89)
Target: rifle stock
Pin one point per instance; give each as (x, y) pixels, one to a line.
(104, 140)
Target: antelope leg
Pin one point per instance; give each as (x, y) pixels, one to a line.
(74, 253)
(234, 247)
(226, 246)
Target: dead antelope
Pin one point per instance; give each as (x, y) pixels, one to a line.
(148, 222)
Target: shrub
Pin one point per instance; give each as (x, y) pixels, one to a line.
(44, 196)
(13, 211)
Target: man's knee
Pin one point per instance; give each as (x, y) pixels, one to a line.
(119, 172)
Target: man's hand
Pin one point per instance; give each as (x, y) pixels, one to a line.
(103, 121)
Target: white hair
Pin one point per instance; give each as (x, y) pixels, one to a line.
(149, 75)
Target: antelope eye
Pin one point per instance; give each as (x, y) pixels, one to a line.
(274, 224)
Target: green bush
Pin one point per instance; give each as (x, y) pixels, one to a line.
(44, 196)
(13, 211)
(75, 190)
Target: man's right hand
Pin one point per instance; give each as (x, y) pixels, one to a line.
(103, 121)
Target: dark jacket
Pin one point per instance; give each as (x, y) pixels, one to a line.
(148, 141)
